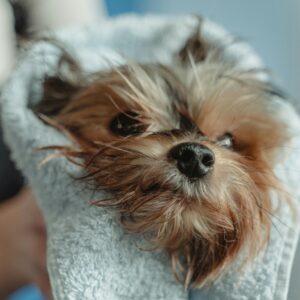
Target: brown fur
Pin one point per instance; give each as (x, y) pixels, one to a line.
(203, 224)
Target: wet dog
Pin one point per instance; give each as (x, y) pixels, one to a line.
(187, 152)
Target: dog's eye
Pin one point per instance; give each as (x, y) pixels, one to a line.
(126, 124)
(226, 140)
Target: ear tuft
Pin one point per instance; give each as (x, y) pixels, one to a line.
(60, 88)
(194, 47)
(57, 93)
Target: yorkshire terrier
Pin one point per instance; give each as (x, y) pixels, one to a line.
(187, 152)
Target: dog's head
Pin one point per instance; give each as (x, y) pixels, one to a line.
(187, 152)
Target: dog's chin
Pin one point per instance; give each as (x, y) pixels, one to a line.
(205, 224)
(203, 227)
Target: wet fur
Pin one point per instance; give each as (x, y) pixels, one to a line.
(204, 225)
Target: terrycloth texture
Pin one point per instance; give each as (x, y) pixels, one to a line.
(89, 255)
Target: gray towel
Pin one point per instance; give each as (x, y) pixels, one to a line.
(89, 255)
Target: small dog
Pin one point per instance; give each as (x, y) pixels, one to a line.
(187, 152)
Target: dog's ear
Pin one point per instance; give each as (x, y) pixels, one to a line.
(59, 89)
(57, 93)
(194, 47)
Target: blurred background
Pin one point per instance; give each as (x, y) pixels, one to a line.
(271, 27)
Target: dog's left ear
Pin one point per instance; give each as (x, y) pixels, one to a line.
(194, 47)
(57, 93)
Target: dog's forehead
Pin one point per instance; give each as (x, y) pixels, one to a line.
(152, 88)
(213, 97)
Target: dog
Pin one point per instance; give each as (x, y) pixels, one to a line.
(187, 152)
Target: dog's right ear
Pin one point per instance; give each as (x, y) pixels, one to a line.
(57, 93)
(60, 88)
(194, 47)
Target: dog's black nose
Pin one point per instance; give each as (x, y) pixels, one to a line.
(193, 160)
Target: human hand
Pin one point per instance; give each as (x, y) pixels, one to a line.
(22, 245)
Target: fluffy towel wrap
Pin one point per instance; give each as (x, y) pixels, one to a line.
(89, 255)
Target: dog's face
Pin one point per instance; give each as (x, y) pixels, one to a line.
(187, 153)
